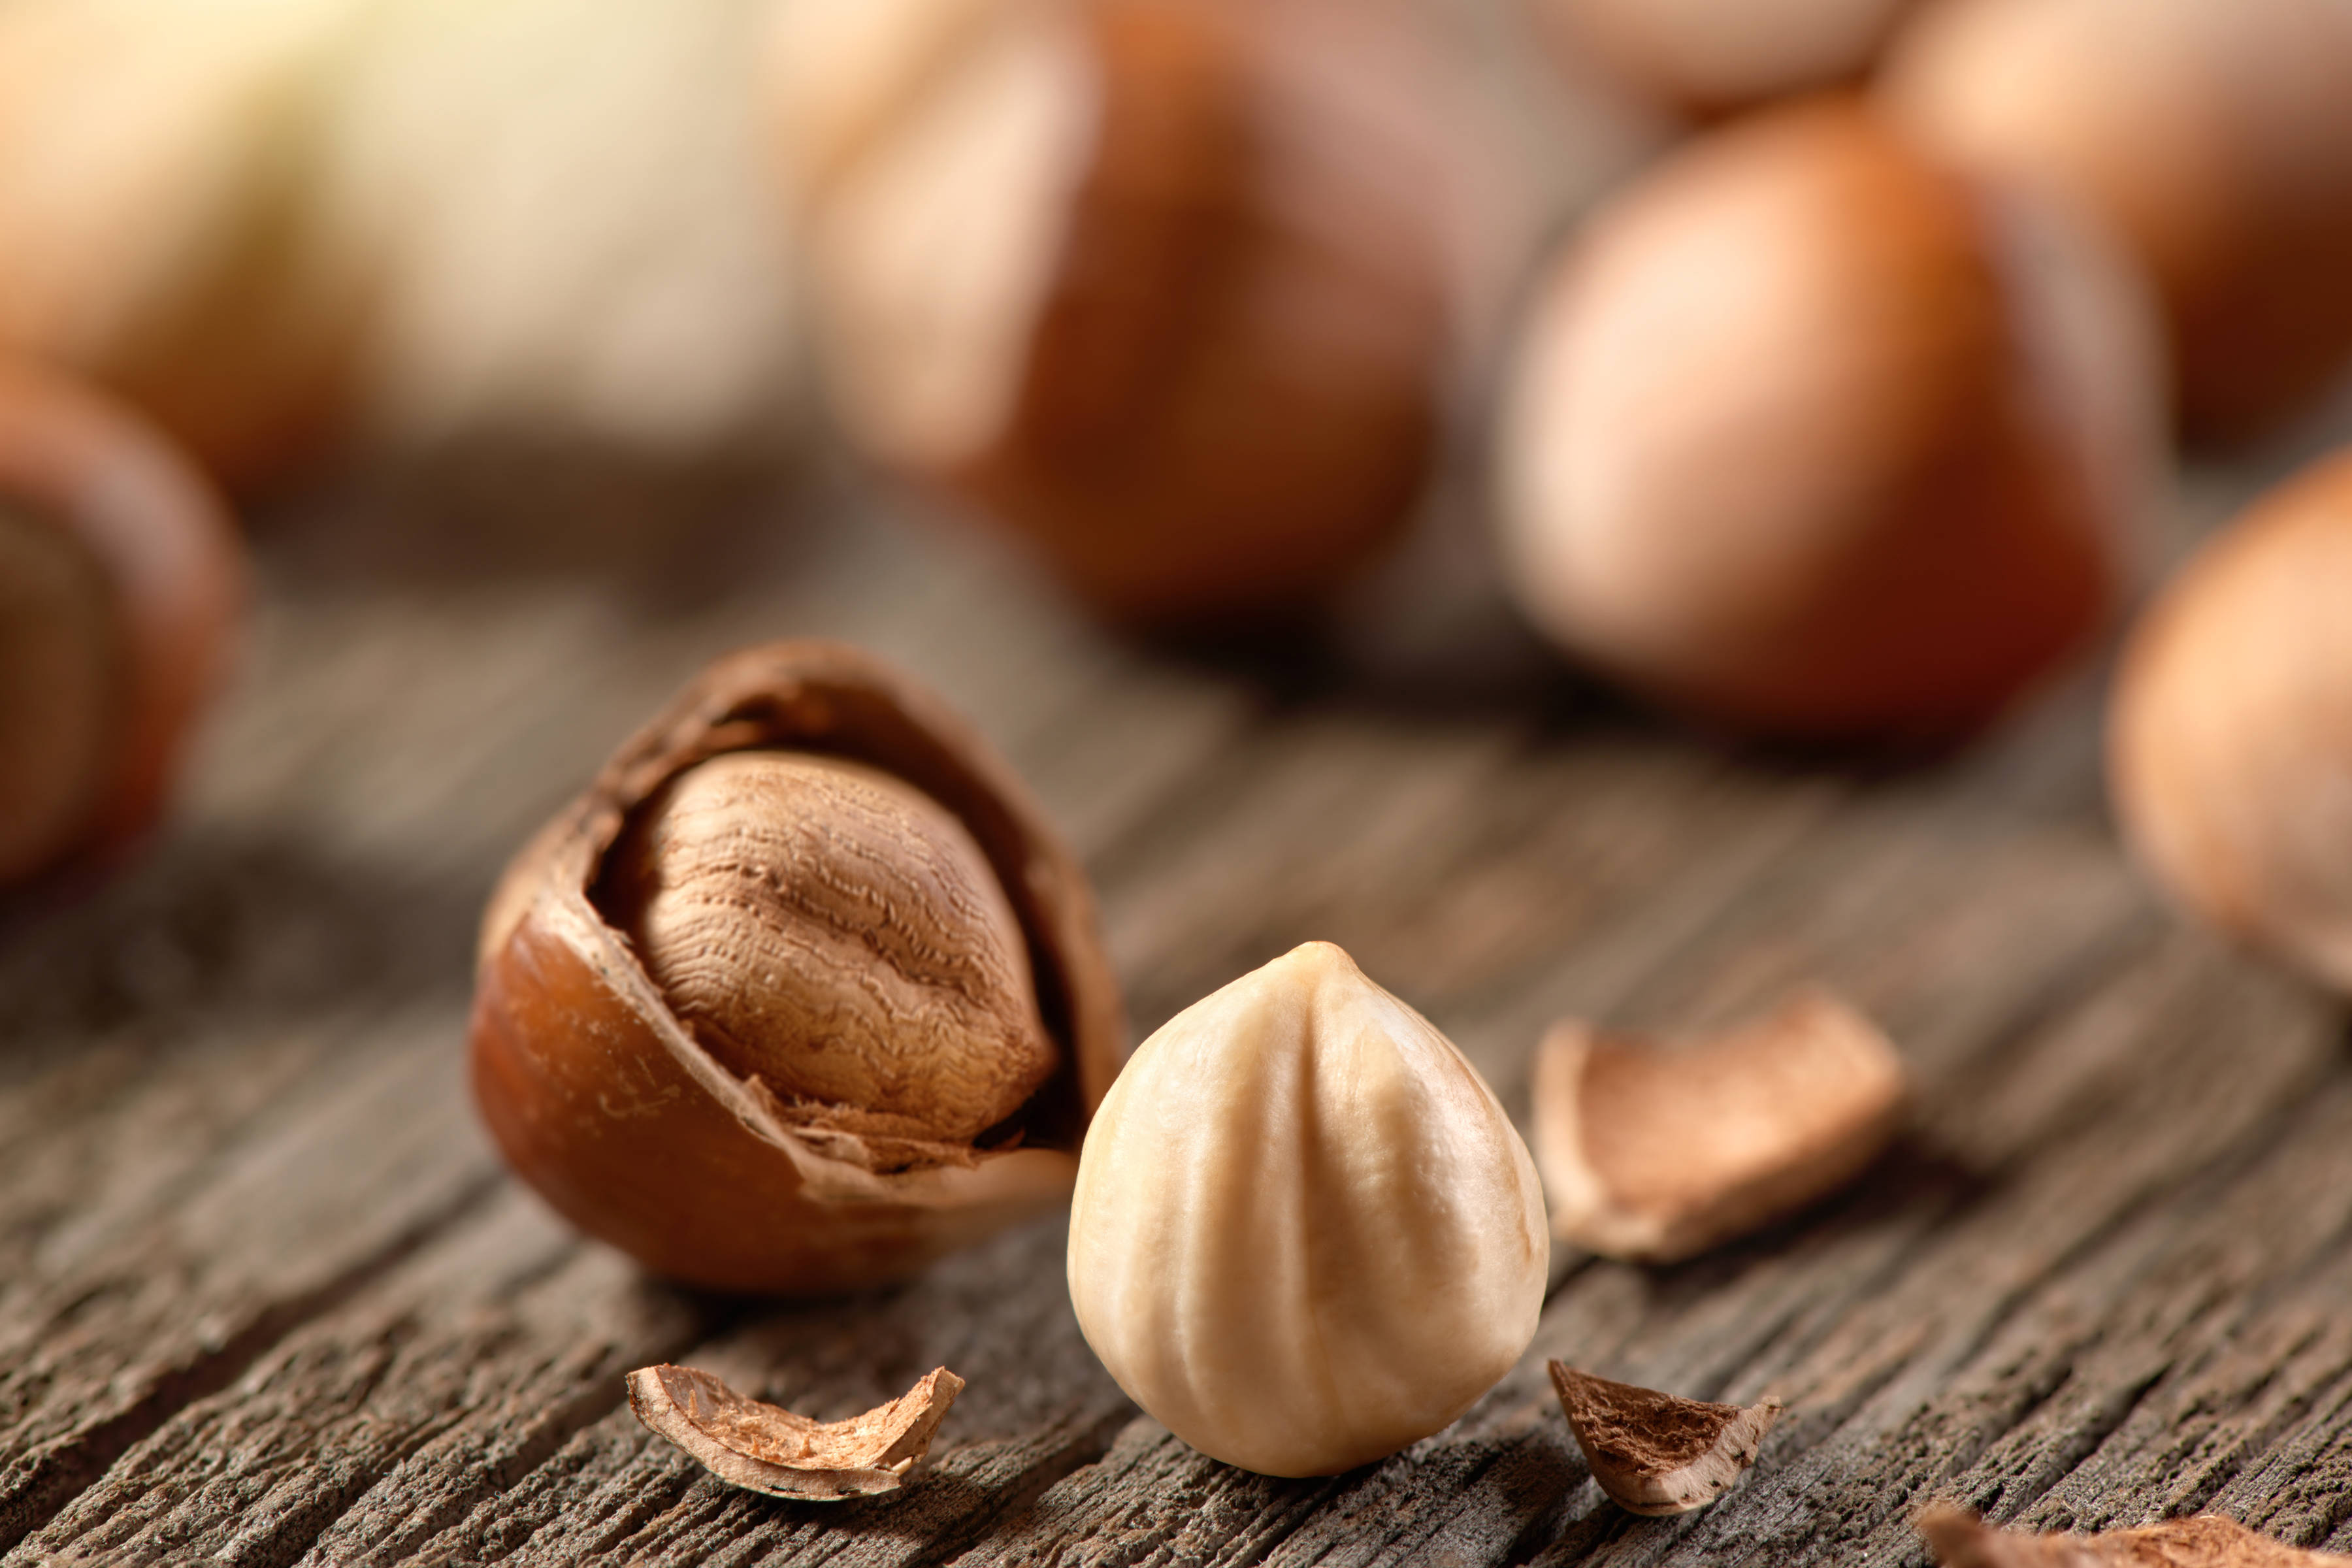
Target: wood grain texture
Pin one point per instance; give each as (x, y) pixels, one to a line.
(266, 1298)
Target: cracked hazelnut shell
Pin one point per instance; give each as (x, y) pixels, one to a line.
(121, 578)
(1160, 287)
(633, 1127)
(1960, 1540)
(1809, 436)
(2230, 733)
(1656, 1152)
(1658, 1454)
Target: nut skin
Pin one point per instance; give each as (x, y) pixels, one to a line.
(1221, 390)
(164, 575)
(837, 934)
(1871, 483)
(2230, 734)
(1305, 1233)
(604, 1102)
(2215, 141)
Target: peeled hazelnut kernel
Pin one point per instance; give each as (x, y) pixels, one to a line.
(826, 929)
(1656, 1153)
(1960, 1540)
(904, 926)
(2216, 141)
(1304, 1233)
(766, 1448)
(1717, 56)
(2230, 734)
(1873, 480)
(1160, 286)
(119, 579)
(1656, 1454)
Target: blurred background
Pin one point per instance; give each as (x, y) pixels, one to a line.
(1820, 375)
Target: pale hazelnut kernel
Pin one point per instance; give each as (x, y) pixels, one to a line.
(1305, 1233)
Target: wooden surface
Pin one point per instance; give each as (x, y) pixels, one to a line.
(266, 1297)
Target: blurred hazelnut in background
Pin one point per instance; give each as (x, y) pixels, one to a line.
(120, 581)
(1160, 286)
(1715, 57)
(1812, 438)
(2230, 744)
(270, 222)
(564, 214)
(2216, 139)
(154, 160)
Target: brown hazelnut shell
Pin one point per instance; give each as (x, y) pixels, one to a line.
(2216, 140)
(1222, 386)
(2229, 734)
(606, 1103)
(161, 539)
(1873, 480)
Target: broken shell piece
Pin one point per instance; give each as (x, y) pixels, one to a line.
(1653, 1453)
(1961, 1539)
(768, 1449)
(1654, 1153)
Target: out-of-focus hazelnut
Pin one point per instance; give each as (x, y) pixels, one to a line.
(564, 219)
(1809, 436)
(1717, 56)
(154, 161)
(120, 581)
(2215, 140)
(2230, 741)
(802, 993)
(1161, 285)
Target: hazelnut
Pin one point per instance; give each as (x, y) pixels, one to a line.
(120, 578)
(2229, 737)
(2215, 140)
(1712, 57)
(152, 233)
(1305, 1233)
(802, 993)
(1160, 286)
(1871, 478)
(1960, 1540)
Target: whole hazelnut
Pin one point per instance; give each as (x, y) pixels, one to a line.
(1305, 1233)
(120, 581)
(802, 993)
(1809, 436)
(153, 235)
(2216, 140)
(1712, 57)
(563, 219)
(1160, 286)
(2230, 738)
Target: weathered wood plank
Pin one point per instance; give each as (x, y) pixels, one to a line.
(265, 1297)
